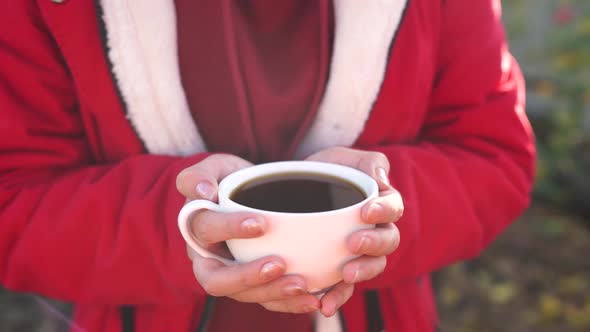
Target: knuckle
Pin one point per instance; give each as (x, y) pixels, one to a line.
(335, 149)
(216, 157)
(365, 164)
(380, 157)
(196, 170)
(370, 160)
(390, 213)
(327, 153)
(377, 158)
(224, 158)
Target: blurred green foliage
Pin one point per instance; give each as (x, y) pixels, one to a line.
(532, 278)
(551, 40)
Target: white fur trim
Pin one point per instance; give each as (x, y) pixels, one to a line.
(363, 36)
(142, 46)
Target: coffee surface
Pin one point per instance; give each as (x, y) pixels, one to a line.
(297, 193)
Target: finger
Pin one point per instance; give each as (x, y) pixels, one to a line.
(297, 305)
(218, 279)
(380, 241)
(375, 164)
(386, 208)
(287, 286)
(201, 179)
(363, 268)
(209, 227)
(335, 298)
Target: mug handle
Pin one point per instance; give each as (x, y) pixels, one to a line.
(184, 223)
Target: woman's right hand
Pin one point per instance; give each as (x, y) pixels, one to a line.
(261, 281)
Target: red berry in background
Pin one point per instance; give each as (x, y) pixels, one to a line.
(564, 14)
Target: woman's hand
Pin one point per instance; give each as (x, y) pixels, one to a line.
(372, 244)
(261, 281)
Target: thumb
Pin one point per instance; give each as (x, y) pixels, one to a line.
(200, 181)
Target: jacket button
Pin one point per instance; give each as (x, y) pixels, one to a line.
(58, 1)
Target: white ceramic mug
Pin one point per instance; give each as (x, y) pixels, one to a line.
(313, 245)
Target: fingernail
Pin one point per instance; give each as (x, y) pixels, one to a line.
(252, 226)
(294, 290)
(382, 175)
(310, 308)
(363, 244)
(270, 270)
(205, 190)
(356, 276)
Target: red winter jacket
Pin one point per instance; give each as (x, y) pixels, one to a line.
(94, 129)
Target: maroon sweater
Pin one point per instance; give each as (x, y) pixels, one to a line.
(264, 69)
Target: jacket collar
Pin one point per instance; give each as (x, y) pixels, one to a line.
(141, 46)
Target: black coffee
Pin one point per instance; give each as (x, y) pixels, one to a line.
(297, 192)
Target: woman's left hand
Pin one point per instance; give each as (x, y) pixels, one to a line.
(372, 244)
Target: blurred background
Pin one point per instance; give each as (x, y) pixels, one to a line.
(536, 276)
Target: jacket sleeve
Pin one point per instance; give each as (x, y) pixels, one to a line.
(70, 229)
(470, 173)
